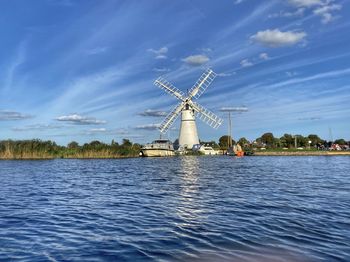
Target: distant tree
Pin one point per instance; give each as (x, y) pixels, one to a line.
(277, 142)
(315, 139)
(223, 141)
(243, 141)
(340, 141)
(268, 139)
(126, 143)
(73, 145)
(302, 141)
(287, 140)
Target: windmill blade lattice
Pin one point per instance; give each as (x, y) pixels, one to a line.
(169, 88)
(202, 83)
(171, 117)
(206, 115)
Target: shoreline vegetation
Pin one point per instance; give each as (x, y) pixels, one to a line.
(38, 149)
(266, 145)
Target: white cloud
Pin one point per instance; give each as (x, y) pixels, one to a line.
(325, 12)
(264, 56)
(246, 63)
(196, 60)
(6, 115)
(159, 53)
(80, 120)
(277, 38)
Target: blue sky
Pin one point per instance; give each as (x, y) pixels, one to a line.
(84, 70)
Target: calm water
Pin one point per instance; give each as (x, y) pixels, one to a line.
(189, 209)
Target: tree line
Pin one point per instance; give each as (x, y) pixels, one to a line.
(268, 140)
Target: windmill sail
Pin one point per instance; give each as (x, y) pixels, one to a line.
(202, 84)
(169, 88)
(171, 117)
(207, 116)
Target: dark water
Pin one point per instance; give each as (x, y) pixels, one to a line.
(188, 209)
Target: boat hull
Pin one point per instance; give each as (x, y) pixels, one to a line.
(157, 152)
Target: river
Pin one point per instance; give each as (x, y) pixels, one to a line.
(176, 209)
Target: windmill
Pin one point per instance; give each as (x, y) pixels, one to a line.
(189, 109)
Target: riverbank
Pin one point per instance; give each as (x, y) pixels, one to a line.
(38, 157)
(302, 153)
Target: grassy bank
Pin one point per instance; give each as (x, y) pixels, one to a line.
(301, 153)
(37, 149)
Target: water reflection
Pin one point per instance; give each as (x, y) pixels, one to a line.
(189, 207)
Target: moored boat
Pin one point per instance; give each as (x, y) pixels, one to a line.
(158, 148)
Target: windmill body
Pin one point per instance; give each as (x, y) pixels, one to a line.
(189, 109)
(188, 130)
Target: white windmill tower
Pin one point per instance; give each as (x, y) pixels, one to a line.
(189, 109)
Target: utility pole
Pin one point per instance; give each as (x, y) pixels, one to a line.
(230, 130)
(229, 110)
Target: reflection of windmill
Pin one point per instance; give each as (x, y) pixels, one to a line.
(189, 109)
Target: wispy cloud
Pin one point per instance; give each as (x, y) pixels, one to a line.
(246, 63)
(66, 3)
(305, 3)
(96, 50)
(238, 109)
(264, 56)
(323, 8)
(148, 127)
(16, 62)
(6, 115)
(153, 113)
(299, 12)
(206, 50)
(237, 2)
(325, 12)
(37, 127)
(161, 70)
(96, 130)
(80, 120)
(196, 60)
(159, 53)
(312, 118)
(277, 38)
(225, 74)
(291, 73)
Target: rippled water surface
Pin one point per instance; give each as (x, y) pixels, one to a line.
(180, 208)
